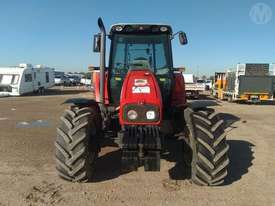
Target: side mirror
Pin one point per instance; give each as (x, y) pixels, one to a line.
(183, 38)
(181, 69)
(97, 42)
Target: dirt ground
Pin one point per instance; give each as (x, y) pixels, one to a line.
(27, 167)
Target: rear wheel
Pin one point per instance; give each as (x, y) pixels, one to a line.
(77, 143)
(208, 148)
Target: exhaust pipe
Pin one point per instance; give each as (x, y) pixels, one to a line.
(102, 60)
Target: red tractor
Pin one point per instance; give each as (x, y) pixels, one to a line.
(139, 101)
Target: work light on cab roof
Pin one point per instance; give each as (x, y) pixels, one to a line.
(149, 28)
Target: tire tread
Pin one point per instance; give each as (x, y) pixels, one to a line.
(209, 166)
(77, 131)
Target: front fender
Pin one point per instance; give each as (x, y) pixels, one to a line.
(80, 102)
(201, 104)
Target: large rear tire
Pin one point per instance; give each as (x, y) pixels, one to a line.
(207, 141)
(77, 143)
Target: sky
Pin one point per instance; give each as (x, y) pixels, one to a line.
(58, 33)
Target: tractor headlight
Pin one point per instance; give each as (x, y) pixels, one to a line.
(140, 113)
(150, 115)
(132, 114)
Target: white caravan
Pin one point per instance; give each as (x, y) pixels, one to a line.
(22, 79)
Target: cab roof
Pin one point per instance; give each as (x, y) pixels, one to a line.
(136, 28)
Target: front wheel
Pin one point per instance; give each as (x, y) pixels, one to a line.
(77, 144)
(208, 148)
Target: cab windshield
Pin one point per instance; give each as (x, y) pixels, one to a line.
(140, 52)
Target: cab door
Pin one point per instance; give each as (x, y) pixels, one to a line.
(27, 83)
(34, 82)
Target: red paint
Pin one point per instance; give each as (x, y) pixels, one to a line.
(178, 91)
(128, 97)
(96, 82)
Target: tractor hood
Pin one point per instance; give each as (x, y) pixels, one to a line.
(140, 101)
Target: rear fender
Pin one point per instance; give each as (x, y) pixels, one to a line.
(178, 94)
(96, 84)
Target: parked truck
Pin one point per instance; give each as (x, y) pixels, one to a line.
(192, 87)
(250, 83)
(25, 78)
(272, 69)
(208, 84)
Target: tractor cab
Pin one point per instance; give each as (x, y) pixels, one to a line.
(140, 47)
